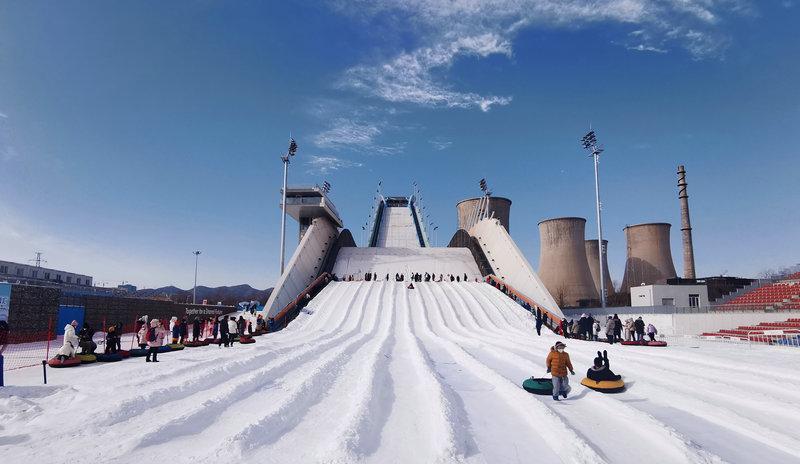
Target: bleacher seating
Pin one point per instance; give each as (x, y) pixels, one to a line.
(781, 295)
(788, 327)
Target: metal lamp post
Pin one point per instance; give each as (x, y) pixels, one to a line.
(194, 291)
(285, 158)
(589, 142)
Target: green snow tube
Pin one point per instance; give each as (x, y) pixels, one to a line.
(175, 346)
(541, 386)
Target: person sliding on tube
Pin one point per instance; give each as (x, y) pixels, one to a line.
(601, 371)
(557, 365)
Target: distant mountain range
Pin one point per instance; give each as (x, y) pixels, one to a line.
(226, 295)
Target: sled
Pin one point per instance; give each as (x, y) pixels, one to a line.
(246, 340)
(87, 358)
(604, 386)
(69, 362)
(205, 341)
(631, 342)
(109, 357)
(541, 386)
(175, 346)
(124, 353)
(656, 343)
(193, 344)
(138, 352)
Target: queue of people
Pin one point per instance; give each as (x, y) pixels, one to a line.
(613, 331)
(403, 277)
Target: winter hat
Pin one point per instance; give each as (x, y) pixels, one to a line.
(560, 345)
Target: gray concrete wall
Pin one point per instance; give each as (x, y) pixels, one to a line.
(501, 207)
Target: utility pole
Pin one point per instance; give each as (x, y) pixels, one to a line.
(589, 142)
(194, 291)
(285, 158)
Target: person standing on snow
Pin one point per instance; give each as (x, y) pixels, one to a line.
(539, 322)
(558, 363)
(596, 330)
(233, 330)
(639, 326)
(610, 329)
(141, 334)
(223, 331)
(176, 332)
(67, 350)
(617, 328)
(155, 338)
(196, 329)
(184, 330)
(651, 332)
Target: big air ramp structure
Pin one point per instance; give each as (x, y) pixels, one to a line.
(397, 242)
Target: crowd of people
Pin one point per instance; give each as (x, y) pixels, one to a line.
(614, 330)
(403, 277)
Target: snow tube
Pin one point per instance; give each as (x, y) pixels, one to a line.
(214, 341)
(69, 362)
(192, 344)
(656, 343)
(205, 341)
(87, 358)
(164, 349)
(604, 386)
(175, 346)
(258, 333)
(630, 342)
(138, 352)
(124, 353)
(538, 386)
(246, 340)
(110, 357)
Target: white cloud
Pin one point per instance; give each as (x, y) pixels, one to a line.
(441, 144)
(346, 132)
(326, 164)
(7, 149)
(449, 30)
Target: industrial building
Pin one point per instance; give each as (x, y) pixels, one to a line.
(680, 296)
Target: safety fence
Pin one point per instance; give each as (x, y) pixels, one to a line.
(753, 339)
(291, 310)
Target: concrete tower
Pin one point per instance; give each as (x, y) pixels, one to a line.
(686, 225)
(592, 256)
(649, 255)
(563, 267)
(499, 206)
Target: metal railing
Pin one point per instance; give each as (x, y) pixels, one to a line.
(551, 321)
(291, 310)
(785, 339)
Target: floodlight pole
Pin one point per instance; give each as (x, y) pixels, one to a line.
(590, 143)
(285, 158)
(194, 291)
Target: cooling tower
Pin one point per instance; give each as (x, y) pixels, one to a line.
(649, 255)
(501, 207)
(592, 257)
(563, 267)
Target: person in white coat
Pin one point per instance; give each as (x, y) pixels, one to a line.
(70, 342)
(233, 330)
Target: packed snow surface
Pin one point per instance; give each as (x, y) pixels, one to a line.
(374, 372)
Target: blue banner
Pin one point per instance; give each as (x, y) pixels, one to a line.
(5, 300)
(67, 314)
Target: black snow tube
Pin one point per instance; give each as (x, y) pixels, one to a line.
(69, 362)
(110, 357)
(138, 352)
(541, 386)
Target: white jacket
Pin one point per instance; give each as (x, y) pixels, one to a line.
(232, 327)
(70, 342)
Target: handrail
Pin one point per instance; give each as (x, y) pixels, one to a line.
(554, 321)
(288, 310)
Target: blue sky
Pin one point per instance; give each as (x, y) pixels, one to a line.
(132, 133)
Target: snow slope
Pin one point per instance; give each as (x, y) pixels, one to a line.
(375, 372)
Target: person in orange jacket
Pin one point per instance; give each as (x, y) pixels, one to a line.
(557, 365)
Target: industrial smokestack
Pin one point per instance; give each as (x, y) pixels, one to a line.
(499, 206)
(686, 225)
(563, 267)
(649, 255)
(593, 258)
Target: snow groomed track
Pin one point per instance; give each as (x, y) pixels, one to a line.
(374, 372)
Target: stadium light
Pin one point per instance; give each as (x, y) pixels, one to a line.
(194, 291)
(285, 158)
(589, 142)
